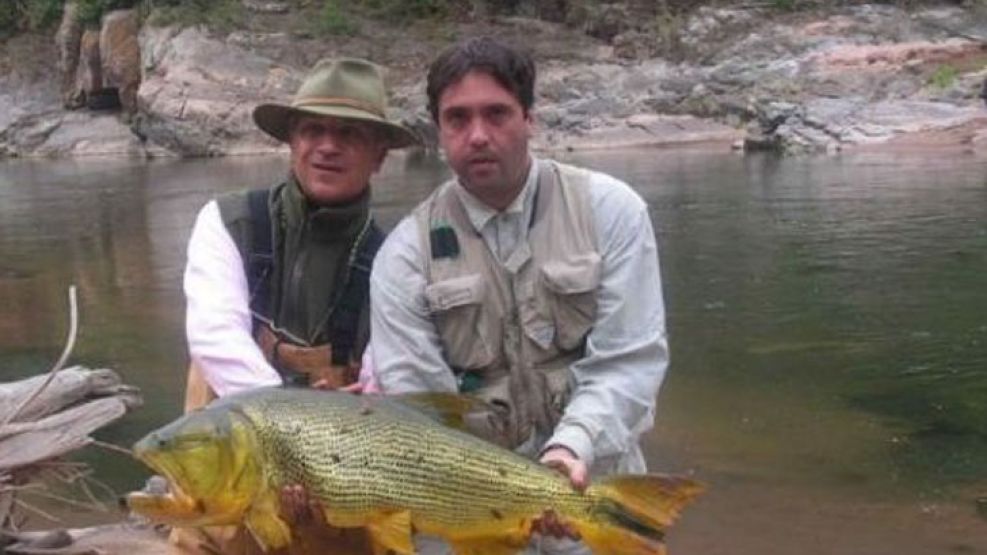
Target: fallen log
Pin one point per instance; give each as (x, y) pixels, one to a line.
(111, 539)
(67, 387)
(44, 418)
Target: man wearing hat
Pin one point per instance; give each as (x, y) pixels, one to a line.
(277, 279)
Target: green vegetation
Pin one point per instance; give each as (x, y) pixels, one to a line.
(787, 5)
(944, 77)
(342, 17)
(27, 15)
(90, 12)
(333, 21)
(217, 14)
(403, 10)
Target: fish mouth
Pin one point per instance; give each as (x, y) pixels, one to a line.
(167, 502)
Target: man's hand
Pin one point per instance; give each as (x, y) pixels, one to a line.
(355, 387)
(298, 508)
(310, 530)
(568, 464)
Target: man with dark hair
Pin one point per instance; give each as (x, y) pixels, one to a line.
(529, 283)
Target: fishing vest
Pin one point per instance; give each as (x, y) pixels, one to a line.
(256, 222)
(510, 330)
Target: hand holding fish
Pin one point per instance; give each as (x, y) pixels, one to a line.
(297, 507)
(565, 462)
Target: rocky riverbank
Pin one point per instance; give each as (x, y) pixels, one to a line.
(747, 76)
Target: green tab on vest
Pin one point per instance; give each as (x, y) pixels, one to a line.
(470, 381)
(443, 242)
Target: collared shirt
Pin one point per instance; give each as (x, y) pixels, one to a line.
(501, 230)
(626, 354)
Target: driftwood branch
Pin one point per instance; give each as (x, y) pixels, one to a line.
(64, 409)
(66, 351)
(60, 389)
(43, 418)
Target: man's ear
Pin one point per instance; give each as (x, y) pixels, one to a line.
(381, 155)
(532, 122)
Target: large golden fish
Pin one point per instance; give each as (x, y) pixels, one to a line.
(384, 464)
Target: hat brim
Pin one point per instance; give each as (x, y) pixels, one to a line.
(275, 119)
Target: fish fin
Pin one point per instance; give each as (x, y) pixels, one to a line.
(391, 531)
(490, 546)
(615, 542)
(633, 513)
(268, 529)
(655, 499)
(449, 409)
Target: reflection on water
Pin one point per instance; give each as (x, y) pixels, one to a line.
(827, 316)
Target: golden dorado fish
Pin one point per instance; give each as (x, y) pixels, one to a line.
(384, 464)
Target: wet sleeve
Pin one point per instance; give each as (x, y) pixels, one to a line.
(617, 380)
(217, 318)
(407, 354)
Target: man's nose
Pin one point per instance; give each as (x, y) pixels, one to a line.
(479, 135)
(328, 142)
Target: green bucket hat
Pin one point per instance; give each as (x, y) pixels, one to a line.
(343, 88)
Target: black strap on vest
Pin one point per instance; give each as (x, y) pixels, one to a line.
(345, 319)
(260, 261)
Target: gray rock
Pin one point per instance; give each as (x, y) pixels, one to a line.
(121, 56)
(198, 94)
(266, 7)
(67, 41)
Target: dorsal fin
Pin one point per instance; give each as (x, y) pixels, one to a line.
(449, 409)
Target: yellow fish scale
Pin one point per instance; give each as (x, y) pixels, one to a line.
(362, 455)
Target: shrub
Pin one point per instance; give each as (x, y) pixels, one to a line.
(944, 77)
(216, 14)
(332, 20)
(405, 10)
(27, 15)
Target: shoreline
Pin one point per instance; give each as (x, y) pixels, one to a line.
(831, 80)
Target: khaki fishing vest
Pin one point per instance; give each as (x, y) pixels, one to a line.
(509, 331)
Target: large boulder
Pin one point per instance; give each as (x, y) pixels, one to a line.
(89, 74)
(198, 93)
(67, 41)
(121, 56)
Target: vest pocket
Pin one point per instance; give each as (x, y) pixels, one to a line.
(570, 295)
(456, 305)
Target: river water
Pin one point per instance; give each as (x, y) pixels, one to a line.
(827, 319)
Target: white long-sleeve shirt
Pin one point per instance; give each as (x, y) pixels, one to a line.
(626, 354)
(217, 319)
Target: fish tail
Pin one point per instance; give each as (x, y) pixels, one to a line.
(632, 512)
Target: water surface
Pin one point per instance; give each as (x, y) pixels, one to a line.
(827, 317)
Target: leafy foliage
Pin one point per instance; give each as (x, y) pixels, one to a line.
(944, 77)
(27, 15)
(219, 14)
(90, 12)
(333, 21)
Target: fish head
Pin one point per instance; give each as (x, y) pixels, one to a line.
(211, 461)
